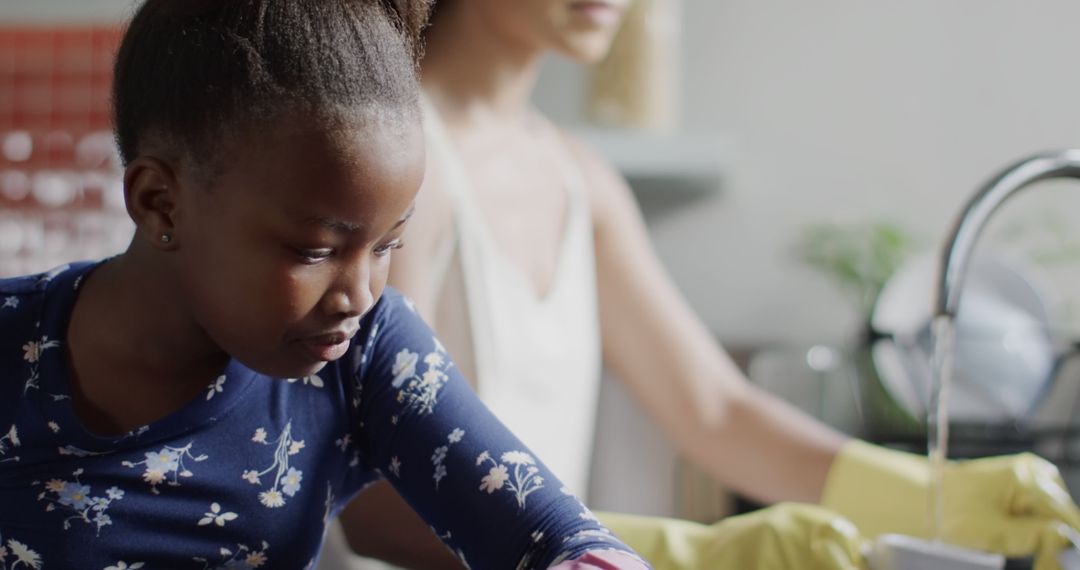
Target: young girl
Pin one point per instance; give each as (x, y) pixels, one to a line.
(530, 259)
(211, 397)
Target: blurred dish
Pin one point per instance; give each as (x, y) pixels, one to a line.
(1004, 354)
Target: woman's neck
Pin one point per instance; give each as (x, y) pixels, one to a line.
(473, 73)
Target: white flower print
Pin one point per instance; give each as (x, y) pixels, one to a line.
(291, 482)
(74, 496)
(55, 427)
(420, 394)
(495, 479)
(287, 480)
(358, 389)
(166, 463)
(272, 499)
(314, 380)
(523, 481)
(12, 302)
(32, 352)
(23, 556)
(125, 566)
(255, 559)
(344, 443)
(434, 359)
(439, 455)
(216, 387)
(404, 367)
(9, 441)
(33, 349)
(215, 516)
(51, 274)
(395, 466)
(518, 458)
(243, 557)
(78, 452)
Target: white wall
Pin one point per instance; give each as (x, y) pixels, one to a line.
(850, 110)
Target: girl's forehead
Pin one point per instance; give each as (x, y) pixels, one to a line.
(353, 136)
(302, 165)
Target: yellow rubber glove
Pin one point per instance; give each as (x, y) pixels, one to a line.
(786, 536)
(1015, 505)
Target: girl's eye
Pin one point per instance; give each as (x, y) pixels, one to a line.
(385, 249)
(313, 256)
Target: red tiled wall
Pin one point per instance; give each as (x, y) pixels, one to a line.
(60, 191)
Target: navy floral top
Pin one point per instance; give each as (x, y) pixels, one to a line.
(249, 473)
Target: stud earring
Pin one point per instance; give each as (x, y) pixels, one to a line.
(166, 238)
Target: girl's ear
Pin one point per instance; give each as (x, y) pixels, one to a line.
(152, 196)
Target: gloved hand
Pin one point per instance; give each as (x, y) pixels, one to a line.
(1015, 505)
(787, 536)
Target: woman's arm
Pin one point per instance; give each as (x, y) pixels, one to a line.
(744, 437)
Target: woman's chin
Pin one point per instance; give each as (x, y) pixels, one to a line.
(587, 48)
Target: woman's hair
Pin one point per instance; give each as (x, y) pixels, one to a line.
(190, 72)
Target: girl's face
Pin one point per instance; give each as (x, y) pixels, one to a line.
(580, 29)
(290, 245)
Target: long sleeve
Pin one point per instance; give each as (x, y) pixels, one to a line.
(480, 488)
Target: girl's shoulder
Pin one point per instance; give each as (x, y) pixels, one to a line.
(25, 285)
(23, 298)
(39, 283)
(22, 295)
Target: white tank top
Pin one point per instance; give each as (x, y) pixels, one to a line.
(535, 360)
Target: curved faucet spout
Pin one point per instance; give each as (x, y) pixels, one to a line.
(958, 248)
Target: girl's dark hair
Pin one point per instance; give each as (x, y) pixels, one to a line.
(190, 72)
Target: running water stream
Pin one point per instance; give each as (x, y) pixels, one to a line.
(937, 421)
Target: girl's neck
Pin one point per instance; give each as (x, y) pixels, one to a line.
(474, 74)
(150, 330)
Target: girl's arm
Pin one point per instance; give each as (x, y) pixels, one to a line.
(479, 488)
(744, 437)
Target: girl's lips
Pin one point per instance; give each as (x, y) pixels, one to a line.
(327, 347)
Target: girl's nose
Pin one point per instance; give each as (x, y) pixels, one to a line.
(351, 295)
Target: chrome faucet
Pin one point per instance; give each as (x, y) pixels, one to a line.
(954, 263)
(957, 253)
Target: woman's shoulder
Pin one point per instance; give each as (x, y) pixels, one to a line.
(604, 184)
